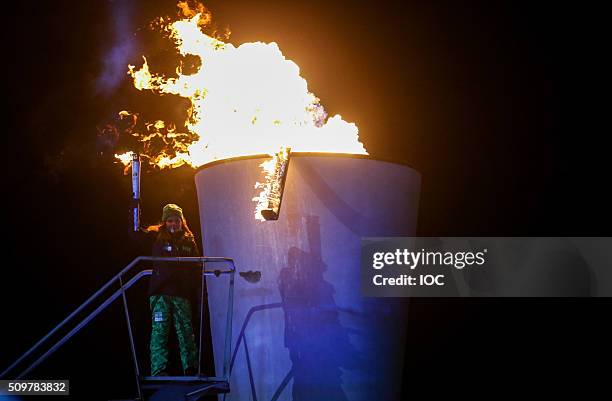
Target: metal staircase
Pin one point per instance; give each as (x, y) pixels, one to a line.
(167, 388)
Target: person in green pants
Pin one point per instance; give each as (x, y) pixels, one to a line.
(170, 287)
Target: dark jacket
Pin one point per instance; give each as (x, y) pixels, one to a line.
(171, 278)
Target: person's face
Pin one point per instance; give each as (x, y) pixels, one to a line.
(174, 224)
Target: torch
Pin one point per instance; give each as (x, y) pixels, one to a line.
(275, 185)
(136, 190)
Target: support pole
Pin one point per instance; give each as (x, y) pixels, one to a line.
(202, 281)
(131, 335)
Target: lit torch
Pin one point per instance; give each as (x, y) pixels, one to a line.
(271, 196)
(136, 190)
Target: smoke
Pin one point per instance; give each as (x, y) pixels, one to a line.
(115, 58)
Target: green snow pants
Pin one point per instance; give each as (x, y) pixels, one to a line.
(165, 308)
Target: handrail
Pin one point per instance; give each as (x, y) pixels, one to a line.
(73, 314)
(85, 321)
(200, 259)
(247, 319)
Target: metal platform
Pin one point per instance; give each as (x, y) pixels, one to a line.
(155, 382)
(188, 388)
(152, 388)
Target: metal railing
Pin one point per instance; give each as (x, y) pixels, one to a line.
(121, 292)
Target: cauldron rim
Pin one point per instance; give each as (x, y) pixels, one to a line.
(302, 154)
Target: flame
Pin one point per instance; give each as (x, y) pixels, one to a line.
(275, 170)
(245, 100)
(125, 158)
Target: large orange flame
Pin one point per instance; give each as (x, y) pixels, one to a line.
(245, 100)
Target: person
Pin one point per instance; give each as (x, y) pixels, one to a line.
(170, 288)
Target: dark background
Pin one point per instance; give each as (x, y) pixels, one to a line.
(497, 104)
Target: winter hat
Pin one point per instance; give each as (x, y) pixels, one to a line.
(172, 210)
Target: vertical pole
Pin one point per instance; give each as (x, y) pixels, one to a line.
(201, 314)
(129, 326)
(228, 326)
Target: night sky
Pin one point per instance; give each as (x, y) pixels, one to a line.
(496, 104)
